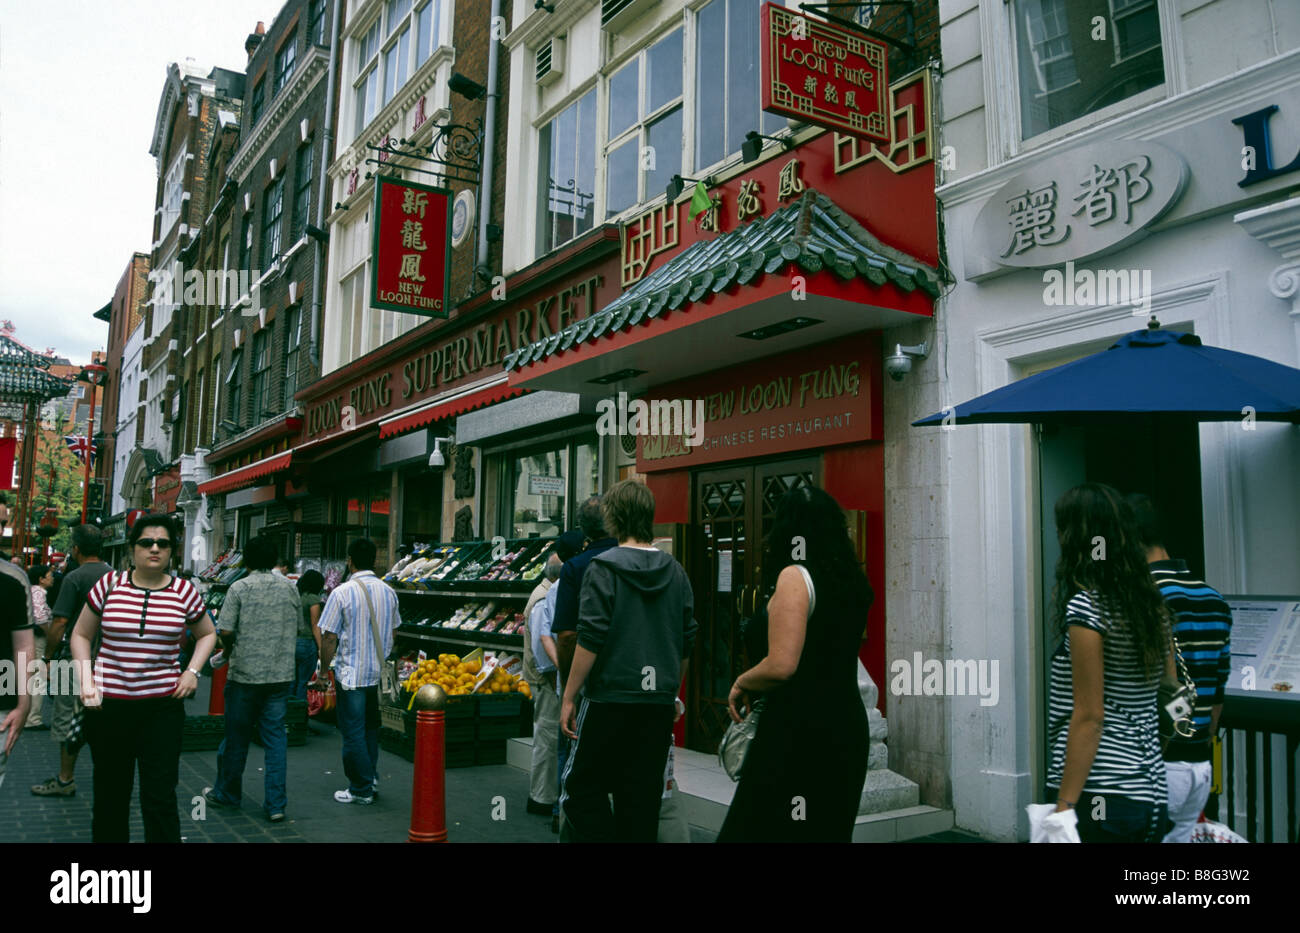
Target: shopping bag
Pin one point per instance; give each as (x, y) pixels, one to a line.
(322, 698)
(1046, 825)
(1210, 831)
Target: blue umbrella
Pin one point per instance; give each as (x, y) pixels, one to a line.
(1147, 372)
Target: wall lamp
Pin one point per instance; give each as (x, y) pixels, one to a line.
(470, 90)
(436, 459)
(677, 184)
(753, 144)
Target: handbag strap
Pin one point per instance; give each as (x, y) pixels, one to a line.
(1180, 666)
(374, 625)
(812, 592)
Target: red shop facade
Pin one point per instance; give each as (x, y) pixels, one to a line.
(768, 313)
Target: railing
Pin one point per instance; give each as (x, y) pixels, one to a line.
(1261, 739)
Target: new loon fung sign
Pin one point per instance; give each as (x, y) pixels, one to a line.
(412, 248)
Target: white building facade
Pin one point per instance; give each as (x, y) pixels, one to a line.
(1155, 140)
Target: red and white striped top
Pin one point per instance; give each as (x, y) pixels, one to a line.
(142, 630)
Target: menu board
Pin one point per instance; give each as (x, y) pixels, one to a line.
(1265, 646)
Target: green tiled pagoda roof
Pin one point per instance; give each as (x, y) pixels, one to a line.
(811, 232)
(24, 376)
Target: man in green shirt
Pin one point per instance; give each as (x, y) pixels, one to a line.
(259, 629)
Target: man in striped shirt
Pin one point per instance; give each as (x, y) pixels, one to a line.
(1202, 627)
(354, 613)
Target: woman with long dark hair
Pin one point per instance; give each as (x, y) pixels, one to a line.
(1103, 727)
(804, 771)
(310, 587)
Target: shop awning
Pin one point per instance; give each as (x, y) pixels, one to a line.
(449, 407)
(247, 476)
(1148, 372)
(849, 282)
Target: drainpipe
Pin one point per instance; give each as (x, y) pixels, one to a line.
(489, 142)
(322, 197)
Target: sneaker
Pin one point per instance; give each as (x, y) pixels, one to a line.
(276, 817)
(55, 787)
(345, 796)
(209, 794)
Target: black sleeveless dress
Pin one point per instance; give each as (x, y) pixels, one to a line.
(804, 772)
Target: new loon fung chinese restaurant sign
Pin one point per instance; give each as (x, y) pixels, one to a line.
(412, 248)
(1082, 203)
(822, 73)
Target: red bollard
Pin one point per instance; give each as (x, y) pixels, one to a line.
(429, 788)
(217, 700)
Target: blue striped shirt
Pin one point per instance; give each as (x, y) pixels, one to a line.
(1203, 627)
(347, 615)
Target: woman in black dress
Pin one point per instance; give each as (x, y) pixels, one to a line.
(805, 768)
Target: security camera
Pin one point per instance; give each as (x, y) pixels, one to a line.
(899, 363)
(436, 459)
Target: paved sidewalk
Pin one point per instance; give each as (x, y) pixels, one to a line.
(474, 797)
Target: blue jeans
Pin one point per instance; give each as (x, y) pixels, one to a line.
(304, 665)
(358, 721)
(249, 707)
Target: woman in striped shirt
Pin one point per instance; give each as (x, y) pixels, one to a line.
(1103, 729)
(135, 712)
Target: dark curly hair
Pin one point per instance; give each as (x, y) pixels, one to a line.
(1093, 517)
(809, 529)
(155, 520)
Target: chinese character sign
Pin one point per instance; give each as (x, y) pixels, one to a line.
(825, 74)
(412, 248)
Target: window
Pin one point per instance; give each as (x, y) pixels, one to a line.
(396, 59)
(352, 315)
(284, 62)
(216, 399)
(259, 100)
(645, 125)
(545, 486)
(428, 27)
(235, 391)
(1064, 73)
(261, 374)
(568, 183)
(301, 192)
(173, 193)
(200, 406)
(316, 22)
(271, 212)
(366, 85)
(727, 81)
(292, 340)
(246, 242)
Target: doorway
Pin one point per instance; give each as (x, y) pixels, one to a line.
(1151, 455)
(733, 510)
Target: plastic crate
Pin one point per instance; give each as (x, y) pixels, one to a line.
(491, 730)
(397, 743)
(490, 752)
(460, 754)
(493, 705)
(203, 733)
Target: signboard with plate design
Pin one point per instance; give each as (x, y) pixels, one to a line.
(822, 73)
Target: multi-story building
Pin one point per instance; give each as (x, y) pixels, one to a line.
(123, 315)
(188, 119)
(1091, 144)
(267, 225)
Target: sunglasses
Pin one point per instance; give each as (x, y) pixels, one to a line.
(147, 543)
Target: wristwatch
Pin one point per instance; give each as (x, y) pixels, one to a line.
(190, 670)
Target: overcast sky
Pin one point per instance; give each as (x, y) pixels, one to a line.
(79, 90)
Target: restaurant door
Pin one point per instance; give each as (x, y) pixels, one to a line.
(733, 511)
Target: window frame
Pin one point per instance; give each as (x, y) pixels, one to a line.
(302, 178)
(235, 388)
(544, 170)
(292, 341)
(260, 373)
(272, 221)
(316, 22)
(258, 105)
(173, 191)
(284, 69)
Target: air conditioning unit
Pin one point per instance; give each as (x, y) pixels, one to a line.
(625, 451)
(550, 61)
(614, 14)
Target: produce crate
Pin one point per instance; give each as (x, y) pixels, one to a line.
(490, 753)
(499, 705)
(401, 745)
(460, 754)
(203, 733)
(491, 730)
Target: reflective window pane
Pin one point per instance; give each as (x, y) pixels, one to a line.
(623, 99)
(621, 177)
(665, 140)
(663, 71)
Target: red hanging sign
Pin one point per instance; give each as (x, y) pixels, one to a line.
(822, 73)
(412, 248)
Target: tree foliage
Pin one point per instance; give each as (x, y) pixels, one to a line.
(57, 482)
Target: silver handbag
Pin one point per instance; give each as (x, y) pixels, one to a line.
(736, 740)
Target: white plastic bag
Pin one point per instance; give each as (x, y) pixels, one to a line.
(1210, 831)
(1046, 825)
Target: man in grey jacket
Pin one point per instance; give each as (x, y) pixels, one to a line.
(636, 629)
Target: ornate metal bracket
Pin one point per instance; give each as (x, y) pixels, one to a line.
(456, 148)
(824, 9)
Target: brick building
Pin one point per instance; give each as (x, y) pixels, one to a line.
(123, 315)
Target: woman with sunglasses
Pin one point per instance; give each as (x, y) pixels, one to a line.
(134, 709)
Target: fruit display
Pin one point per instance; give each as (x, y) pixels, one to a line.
(461, 677)
(483, 563)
